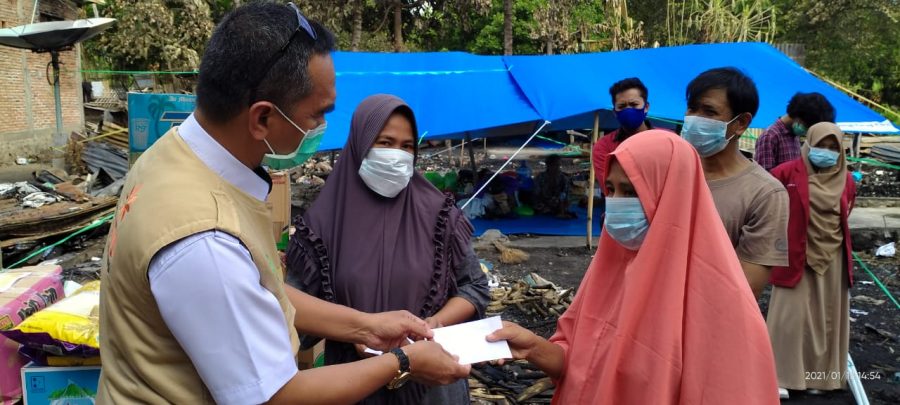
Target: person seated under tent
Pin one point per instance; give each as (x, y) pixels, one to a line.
(551, 190)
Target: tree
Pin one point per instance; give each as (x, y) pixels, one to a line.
(153, 35)
(714, 21)
(508, 27)
(356, 36)
(624, 31)
(563, 25)
(855, 42)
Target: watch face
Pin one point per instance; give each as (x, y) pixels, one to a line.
(399, 381)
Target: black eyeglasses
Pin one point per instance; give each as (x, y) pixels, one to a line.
(302, 24)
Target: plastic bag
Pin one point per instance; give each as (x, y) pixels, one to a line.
(68, 327)
(888, 250)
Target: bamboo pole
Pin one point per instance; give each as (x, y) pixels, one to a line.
(471, 154)
(591, 181)
(462, 151)
(449, 144)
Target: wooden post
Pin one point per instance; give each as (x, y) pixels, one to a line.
(471, 153)
(449, 145)
(591, 181)
(462, 151)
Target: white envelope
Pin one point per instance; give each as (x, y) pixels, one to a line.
(467, 340)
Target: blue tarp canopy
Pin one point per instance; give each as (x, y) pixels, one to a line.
(454, 93)
(451, 93)
(567, 89)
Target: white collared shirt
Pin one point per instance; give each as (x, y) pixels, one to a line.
(209, 294)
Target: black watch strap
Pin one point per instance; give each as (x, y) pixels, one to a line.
(401, 356)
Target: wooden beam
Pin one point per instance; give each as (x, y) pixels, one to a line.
(591, 181)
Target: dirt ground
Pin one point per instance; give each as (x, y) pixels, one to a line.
(876, 354)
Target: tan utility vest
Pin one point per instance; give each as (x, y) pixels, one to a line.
(170, 194)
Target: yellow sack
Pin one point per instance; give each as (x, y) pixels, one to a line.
(72, 324)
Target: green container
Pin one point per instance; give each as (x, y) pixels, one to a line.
(450, 181)
(435, 179)
(524, 211)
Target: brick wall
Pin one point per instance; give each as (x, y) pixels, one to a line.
(27, 111)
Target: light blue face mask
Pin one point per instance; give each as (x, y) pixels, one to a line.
(823, 158)
(626, 222)
(707, 135)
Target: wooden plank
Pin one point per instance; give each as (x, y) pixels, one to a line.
(31, 222)
(58, 231)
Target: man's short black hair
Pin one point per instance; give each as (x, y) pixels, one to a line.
(240, 50)
(553, 159)
(739, 88)
(628, 84)
(811, 108)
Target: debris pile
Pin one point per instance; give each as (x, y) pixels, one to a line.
(50, 204)
(534, 303)
(531, 302)
(309, 180)
(513, 383)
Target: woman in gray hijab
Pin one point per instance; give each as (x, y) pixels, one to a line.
(379, 237)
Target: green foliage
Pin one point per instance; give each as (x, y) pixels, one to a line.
(856, 42)
(714, 21)
(152, 35)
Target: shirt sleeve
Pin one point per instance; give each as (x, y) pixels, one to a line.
(209, 294)
(765, 148)
(472, 283)
(599, 158)
(763, 238)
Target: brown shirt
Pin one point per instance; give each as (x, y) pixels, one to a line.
(754, 208)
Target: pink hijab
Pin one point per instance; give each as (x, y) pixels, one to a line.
(675, 321)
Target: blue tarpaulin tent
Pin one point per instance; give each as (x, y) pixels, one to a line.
(450, 92)
(455, 92)
(567, 89)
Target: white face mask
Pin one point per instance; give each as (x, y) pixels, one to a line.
(387, 170)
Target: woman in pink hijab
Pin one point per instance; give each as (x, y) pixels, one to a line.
(664, 314)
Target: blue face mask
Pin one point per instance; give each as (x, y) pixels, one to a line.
(625, 221)
(823, 158)
(631, 118)
(707, 135)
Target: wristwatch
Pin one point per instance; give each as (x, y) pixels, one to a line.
(403, 373)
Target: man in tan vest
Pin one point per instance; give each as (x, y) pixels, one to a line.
(193, 307)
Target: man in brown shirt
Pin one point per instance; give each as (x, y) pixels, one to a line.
(753, 205)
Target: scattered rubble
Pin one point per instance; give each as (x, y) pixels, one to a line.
(531, 302)
(309, 179)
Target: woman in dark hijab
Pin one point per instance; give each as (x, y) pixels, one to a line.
(380, 237)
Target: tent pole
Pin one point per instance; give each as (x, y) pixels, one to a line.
(471, 153)
(591, 181)
(449, 145)
(59, 140)
(462, 151)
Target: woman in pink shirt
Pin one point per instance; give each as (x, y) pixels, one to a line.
(664, 314)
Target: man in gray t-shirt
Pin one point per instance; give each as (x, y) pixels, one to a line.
(753, 205)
